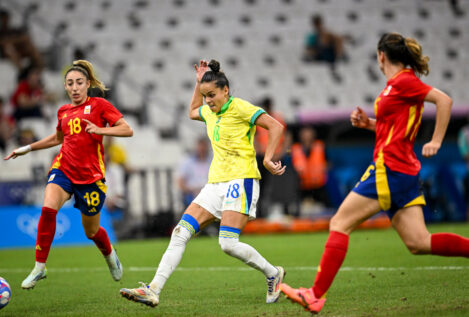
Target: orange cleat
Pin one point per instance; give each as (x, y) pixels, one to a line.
(303, 296)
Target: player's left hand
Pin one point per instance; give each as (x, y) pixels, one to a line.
(430, 149)
(91, 127)
(275, 168)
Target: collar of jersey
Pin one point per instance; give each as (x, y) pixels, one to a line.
(86, 100)
(225, 106)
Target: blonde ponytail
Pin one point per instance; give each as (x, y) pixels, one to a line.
(86, 68)
(420, 61)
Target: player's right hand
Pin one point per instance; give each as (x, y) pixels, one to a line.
(201, 70)
(18, 152)
(359, 118)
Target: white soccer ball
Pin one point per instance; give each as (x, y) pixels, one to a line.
(5, 293)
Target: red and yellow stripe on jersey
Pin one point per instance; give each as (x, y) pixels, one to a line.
(81, 156)
(398, 110)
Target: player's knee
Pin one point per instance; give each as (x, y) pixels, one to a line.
(90, 233)
(180, 235)
(415, 247)
(185, 229)
(227, 245)
(338, 224)
(419, 243)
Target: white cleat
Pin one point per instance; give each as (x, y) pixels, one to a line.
(115, 266)
(35, 275)
(144, 294)
(273, 286)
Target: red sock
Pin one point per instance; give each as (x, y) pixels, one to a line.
(101, 240)
(45, 233)
(449, 244)
(331, 260)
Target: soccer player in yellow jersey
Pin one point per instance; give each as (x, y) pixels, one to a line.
(233, 183)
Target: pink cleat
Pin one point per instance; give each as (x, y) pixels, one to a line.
(303, 296)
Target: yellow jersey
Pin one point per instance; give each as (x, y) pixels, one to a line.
(231, 132)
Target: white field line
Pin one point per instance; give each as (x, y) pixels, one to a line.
(227, 268)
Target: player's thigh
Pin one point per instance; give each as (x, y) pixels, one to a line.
(409, 223)
(55, 196)
(234, 219)
(352, 212)
(200, 214)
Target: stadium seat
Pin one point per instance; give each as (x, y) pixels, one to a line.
(259, 44)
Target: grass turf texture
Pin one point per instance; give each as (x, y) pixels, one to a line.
(380, 278)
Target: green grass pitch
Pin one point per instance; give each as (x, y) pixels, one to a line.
(379, 278)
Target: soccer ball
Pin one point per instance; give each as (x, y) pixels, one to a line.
(5, 293)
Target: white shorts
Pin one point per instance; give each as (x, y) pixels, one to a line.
(238, 195)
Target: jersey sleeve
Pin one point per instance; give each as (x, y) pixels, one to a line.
(109, 113)
(413, 89)
(249, 112)
(59, 119)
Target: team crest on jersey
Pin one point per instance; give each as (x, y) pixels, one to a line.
(88, 109)
(51, 178)
(387, 90)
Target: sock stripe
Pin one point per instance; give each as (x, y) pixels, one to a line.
(187, 225)
(189, 222)
(230, 229)
(226, 234)
(229, 232)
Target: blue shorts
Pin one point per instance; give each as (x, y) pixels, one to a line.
(393, 190)
(89, 198)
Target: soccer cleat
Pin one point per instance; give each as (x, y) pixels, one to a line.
(273, 283)
(144, 294)
(35, 275)
(303, 296)
(115, 266)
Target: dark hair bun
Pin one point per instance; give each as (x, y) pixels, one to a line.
(214, 66)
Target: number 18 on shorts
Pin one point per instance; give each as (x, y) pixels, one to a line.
(238, 195)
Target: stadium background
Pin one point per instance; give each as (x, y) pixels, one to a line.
(145, 51)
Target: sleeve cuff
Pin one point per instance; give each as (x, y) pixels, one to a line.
(256, 115)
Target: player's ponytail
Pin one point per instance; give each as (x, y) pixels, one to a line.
(86, 68)
(419, 61)
(214, 74)
(407, 51)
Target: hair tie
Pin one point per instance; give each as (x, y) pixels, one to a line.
(75, 66)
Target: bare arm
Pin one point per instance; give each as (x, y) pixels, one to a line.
(360, 119)
(197, 98)
(443, 113)
(45, 143)
(121, 128)
(275, 130)
(49, 141)
(196, 102)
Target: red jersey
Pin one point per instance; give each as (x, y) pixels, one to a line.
(81, 155)
(398, 111)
